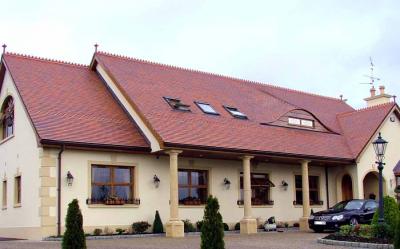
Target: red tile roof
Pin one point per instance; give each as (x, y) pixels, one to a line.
(146, 84)
(69, 103)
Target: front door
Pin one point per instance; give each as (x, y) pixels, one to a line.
(347, 188)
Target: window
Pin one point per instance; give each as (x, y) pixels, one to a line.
(206, 108)
(301, 122)
(176, 104)
(193, 186)
(7, 118)
(313, 182)
(4, 201)
(112, 185)
(371, 205)
(235, 112)
(260, 189)
(17, 190)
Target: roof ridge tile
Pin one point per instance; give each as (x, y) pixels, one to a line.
(368, 108)
(39, 58)
(257, 83)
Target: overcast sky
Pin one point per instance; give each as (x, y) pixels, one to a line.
(316, 46)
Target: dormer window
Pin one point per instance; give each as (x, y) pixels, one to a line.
(176, 104)
(235, 112)
(7, 118)
(301, 122)
(207, 108)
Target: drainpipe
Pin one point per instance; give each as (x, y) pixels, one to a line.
(59, 191)
(327, 186)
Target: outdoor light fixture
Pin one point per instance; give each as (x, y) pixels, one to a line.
(156, 181)
(227, 183)
(70, 178)
(284, 185)
(380, 148)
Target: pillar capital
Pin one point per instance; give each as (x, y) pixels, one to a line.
(173, 152)
(246, 157)
(305, 161)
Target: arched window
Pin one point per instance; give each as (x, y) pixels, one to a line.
(7, 118)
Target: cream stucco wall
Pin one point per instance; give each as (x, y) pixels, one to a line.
(19, 155)
(391, 133)
(152, 198)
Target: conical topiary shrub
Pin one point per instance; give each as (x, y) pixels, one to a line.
(212, 230)
(397, 236)
(74, 236)
(391, 215)
(157, 224)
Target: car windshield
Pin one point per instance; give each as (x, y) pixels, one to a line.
(348, 205)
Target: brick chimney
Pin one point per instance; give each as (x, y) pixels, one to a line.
(381, 98)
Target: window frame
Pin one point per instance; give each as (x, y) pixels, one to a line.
(130, 200)
(190, 186)
(170, 101)
(5, 121)
(301, 122)
(269, 201)
(17, 191)
(318, 202)
(231, 109)
(4, 194)
(198, 103)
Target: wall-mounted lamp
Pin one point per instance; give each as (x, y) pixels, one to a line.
(284, 185)
(227, 183)
(70, 178)
(156, 181)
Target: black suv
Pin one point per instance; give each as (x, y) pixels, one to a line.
(351, 212)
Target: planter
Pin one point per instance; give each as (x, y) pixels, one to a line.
(270, 227)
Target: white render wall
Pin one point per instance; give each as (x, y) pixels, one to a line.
(19, 155)
(152, 199)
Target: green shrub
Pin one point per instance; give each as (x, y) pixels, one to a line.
(397, 236)
(74, 236)
(382, 231)
(237, 226)
(212, 231)
(120, 231)
(97, 232)
(346, 230)
(199, 224)
(157, 224)
(226, 227)
(366, 231)
(188, 226)
(390, 214)
(140, 227)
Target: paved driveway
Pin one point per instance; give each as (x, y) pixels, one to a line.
(286, 240)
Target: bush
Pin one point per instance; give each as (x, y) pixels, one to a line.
(382, 231)
(366, 231)
(199, 224)
(157, 224)
(346, 230)
(296, 224)
(226, 227)
(97, 232)
(120, 231)
(74, 237)
(140, 227)
(237, 226)
(188, 226)
(397, 236)
(212, 231)
(390, 214)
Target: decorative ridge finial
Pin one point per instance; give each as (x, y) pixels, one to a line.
(4, 48)
(95, 47)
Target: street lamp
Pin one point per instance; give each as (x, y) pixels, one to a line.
(380, 147)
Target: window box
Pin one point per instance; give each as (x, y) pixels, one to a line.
(312, 203)
(255, 202)
(114, 202)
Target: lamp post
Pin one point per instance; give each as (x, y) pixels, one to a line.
(380, 147)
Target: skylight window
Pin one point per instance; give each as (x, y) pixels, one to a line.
(176, 104)
(207, 108)
(301, 122)
(235, 112)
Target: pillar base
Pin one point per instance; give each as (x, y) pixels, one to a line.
(174, 229)
(248, 226)
(304, 224)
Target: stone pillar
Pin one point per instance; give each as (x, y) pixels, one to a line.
(174, 226)
(248, 225)
(306, 196)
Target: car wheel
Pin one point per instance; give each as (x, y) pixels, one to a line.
(353, 221)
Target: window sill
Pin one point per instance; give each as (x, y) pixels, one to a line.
(192, 206)
(315, 205)
(113, 206)
(258, 206)
(6, 139)
(18, 205)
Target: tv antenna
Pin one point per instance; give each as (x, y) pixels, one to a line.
(371, 76)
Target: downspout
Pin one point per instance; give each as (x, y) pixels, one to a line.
(59, 191)
(327, 186)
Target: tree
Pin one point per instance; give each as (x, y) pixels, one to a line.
(212, 230)
(397, 236)
(74, 236)
(157, 224)
(390, 214)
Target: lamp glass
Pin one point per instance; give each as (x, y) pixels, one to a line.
(380, 147)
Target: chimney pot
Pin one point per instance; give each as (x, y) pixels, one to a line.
(372, 91)
(382, 90)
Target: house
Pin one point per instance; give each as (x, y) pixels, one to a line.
(127, 137)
